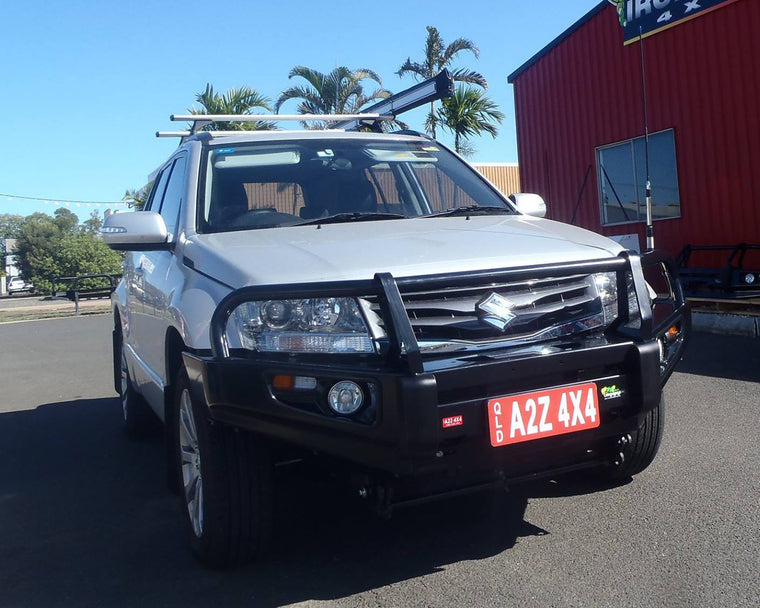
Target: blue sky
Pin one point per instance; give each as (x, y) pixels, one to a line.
(84, 85)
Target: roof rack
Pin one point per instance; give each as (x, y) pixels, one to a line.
(201, 120)
(438, 87)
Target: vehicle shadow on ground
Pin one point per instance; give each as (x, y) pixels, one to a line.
(722, 356)
(85, 519)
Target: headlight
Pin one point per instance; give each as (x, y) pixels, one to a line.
(606, 288)
(314, 325)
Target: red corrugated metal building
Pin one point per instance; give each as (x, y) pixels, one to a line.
(580, 122)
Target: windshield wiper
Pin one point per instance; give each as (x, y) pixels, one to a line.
(355, 216)
(472, 210)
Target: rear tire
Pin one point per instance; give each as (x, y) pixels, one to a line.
(226, 484)
(640, 451)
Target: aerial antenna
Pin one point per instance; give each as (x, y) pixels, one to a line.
(648, 190)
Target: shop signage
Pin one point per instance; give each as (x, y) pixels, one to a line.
(647, 17)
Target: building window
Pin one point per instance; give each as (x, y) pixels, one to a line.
(621, 169)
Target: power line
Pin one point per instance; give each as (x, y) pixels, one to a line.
(60, 200)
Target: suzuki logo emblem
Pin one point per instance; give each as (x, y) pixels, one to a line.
(498, 311)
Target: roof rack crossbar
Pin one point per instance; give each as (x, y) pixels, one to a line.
(172, 133)
(275, 117)
(201, 120)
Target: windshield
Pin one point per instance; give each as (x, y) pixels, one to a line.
(269, 185)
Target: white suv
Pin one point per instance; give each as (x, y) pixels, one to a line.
(370, 299)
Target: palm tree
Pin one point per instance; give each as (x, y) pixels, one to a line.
(137, 197)
(438, 55)
(469, 113)
(338, 92)
(235, 101)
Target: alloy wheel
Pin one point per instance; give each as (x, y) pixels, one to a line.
(192, 480)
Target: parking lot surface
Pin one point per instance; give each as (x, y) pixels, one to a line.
(85, 519)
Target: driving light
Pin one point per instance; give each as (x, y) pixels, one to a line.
(309, 325)
(345, 398)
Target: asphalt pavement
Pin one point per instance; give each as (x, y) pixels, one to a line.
(85, 519)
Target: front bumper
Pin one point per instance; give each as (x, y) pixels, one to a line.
(404, 434)
(408, 435)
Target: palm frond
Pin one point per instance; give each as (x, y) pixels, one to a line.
(456, 47)
(470, 77)
(411, 67)
(340, 91)
(240, 100)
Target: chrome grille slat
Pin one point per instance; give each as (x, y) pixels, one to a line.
(506, 288)
(468, 304)
(452, 316)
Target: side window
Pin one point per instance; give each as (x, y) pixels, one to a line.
(157, 192)
(172, 198)
(621, 169)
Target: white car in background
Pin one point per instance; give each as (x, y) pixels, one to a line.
(17, 285)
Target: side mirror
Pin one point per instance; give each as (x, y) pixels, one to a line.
(529, 204)
(135, 231)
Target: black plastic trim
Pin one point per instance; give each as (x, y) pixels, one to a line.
(407, 435)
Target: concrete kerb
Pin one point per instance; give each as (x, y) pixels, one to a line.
(726, 323)
(13, 309)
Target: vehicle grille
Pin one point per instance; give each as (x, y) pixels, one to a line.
(531, 310)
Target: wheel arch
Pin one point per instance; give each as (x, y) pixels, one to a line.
(174, 346)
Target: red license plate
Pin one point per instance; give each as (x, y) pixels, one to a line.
(529, 416)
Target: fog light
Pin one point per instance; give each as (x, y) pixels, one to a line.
(749, 278)
(345, 397)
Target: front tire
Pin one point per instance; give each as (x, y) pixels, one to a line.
(638, 453)
(226, 484)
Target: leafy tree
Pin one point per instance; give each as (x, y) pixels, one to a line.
(81, 253)
(92, 225)
(66, 220)
(468, 113)
(235, 101)
(50, 247)
(339, 92)
(10, 225)
(36, 249)
(439, 55)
